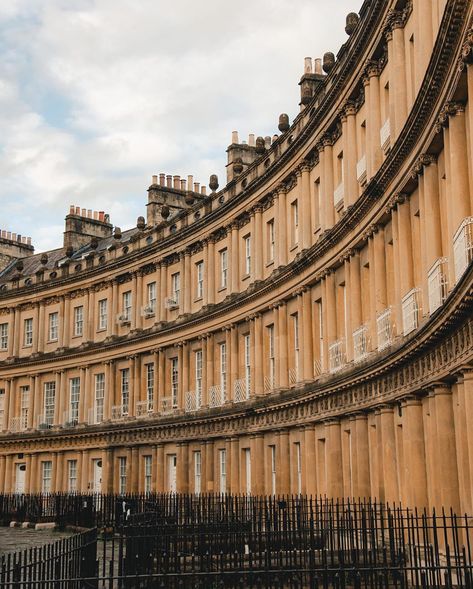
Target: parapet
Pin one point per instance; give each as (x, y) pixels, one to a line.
(82, 225)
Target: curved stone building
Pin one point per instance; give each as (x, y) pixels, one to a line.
(306, 329)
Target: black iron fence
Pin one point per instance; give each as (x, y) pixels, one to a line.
(186, 541)
(62, 564)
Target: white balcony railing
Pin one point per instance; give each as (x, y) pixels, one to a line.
(191, 402)
(171, 302)
(463, 247)
(338, 194)
(410, 311)
(148, 311)
(269, 383)
(216, 396)
(361, 170)
(70, 418)
(123, 319)
(144, 408)
(385, 136)
(240, 392)
(167, 406)
(384, 329)
(438, 284)
(360, 343)
(119, 412)
(44, 422)
(336, 353)
(18, 424)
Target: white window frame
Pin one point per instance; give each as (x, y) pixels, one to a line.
(125, 390)
(126, 305)
(198, 378)
(176, 286)
(103, 313)
(78, 321)
(148, 473)
(49, 402)
(53, 323)
(273, 470)
(46, 475)
(197, 472)
(28, 332)
(199, 270)
(99, 396)
(222, 455)
(24, 405)
(150, 377)
(74, 398)
(151, 293)
(72, 476)
(271, 241)
(295, 319)
(247, 351)
(122, 475)
(3, 336)
(224, 268)
(174, 381)
(271, 354)
(223, 369)
(247, 240)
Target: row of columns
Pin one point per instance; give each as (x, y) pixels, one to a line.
(418, 451)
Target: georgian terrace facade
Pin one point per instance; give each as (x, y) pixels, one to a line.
(306, 329)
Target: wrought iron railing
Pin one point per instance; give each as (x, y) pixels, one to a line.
(216, 396)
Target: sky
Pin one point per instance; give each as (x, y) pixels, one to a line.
(96, 96)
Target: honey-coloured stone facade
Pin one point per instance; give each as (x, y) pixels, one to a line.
(308, 328)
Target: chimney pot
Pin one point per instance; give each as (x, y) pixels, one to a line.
(183, 184)
(190, 182)
(154, 179)
(203, 190)
(251, 140)
(71, 209)
(77, 210)
(307, 65)
(89, 213)
(197, 187)
(96, 215)
(318, 66)
(101, 216)
(235, 137)
(169, 181)
(162, 179)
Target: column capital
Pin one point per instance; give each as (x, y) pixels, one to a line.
(467, 48)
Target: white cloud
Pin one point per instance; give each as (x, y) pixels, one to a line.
(97, 95)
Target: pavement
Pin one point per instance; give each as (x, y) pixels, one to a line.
(15, 539)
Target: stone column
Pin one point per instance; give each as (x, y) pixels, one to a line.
(210, 271)
(281, 227)
(334, 459)
(34, 400)
(284, 462)
(464, 417)
(406, 270)
(59, 375)
(350, 159)
(258, 244)
(330, 310)
(282, 346)
(40, 329)
(90, 325)
(3, 464)
(61, 402)
(209, 467)
(112, 327)
(362, 485)
(388, 481)
(14, 332)
(183, 467)
(258, 360)
(445, 445)
(397, 74)
(414, 453)
(8, 407)
(210, 361)
(7, 486)
(139, 300)
(309, 459)
(257, 450)
(235, 465)
(373, 120)
(432, 210)
(27, 474)
(354, 290)
(163, 277)
(459, 201)
(235, 259)
(161, 384)
(327, 171)
(305, 201)
(234, 359)
(187, 288)
(160, 468)
(308, 347)
(107, 464)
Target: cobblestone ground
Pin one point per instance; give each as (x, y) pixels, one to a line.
(14, 539)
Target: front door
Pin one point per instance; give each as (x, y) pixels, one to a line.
(20, 478)
(97, 482)
(172, 470)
